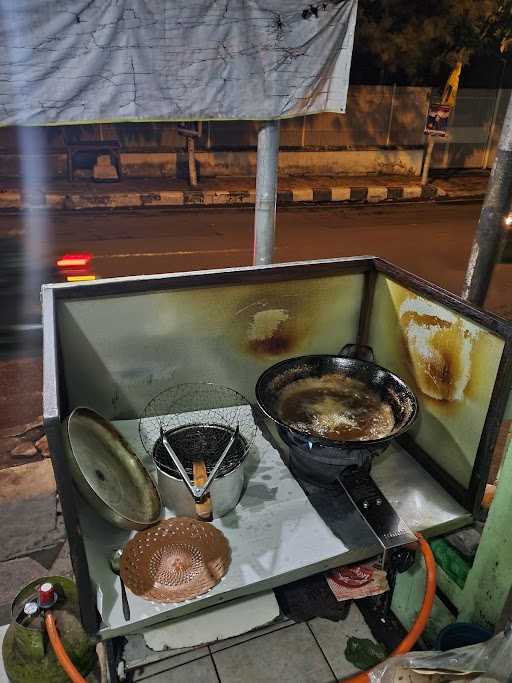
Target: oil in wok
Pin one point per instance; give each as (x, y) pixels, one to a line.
(335, 407)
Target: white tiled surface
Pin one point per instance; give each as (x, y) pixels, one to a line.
(154, 670)
(199, 671)
(283, 652)
(229, 642)
(332, 638)
(290, 654)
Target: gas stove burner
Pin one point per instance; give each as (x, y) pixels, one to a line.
(200, 442)
(325, 471)
(322, 465)
(317, 475)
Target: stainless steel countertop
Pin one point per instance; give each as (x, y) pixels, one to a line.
(276, 536)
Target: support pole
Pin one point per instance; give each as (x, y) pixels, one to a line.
(492, 127)
(427, 160)
(391, 110)
(490, 232)
(266, 192)
(191, 153)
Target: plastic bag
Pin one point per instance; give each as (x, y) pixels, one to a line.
(487, 661)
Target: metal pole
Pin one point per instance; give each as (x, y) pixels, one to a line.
(497, 103)
(391, 109)
(488, 241)
(426, 161)
(191, 153)
(492, 127)
(266, 192)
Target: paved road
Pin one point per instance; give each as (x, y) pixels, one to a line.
(432, 240)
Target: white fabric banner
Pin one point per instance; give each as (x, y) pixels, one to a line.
(72, 61)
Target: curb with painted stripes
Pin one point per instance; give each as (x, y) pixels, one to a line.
(122, 200)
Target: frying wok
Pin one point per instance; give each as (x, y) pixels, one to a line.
(322, 456)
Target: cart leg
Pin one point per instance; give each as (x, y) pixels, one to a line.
(113, 648)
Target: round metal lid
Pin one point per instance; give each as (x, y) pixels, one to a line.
(109, 474)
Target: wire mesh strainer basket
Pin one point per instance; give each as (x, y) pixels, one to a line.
(198, 419)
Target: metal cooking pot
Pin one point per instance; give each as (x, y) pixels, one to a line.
(325, 458)
(198, 420)
(227, 483)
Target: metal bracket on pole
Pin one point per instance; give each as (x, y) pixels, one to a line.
(490, 232)
(266, 192)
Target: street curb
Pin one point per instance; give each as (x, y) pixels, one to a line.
(371, 194)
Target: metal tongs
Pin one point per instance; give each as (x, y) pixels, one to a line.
(198, 492)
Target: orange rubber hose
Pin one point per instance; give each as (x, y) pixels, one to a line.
(62, 656)
(410, 639)
(423, 615)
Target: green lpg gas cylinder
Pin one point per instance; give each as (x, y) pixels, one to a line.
(27, 653)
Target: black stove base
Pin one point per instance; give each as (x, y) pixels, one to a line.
(375, 509)
(344, 496)
(322, 476)
(339, 514)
